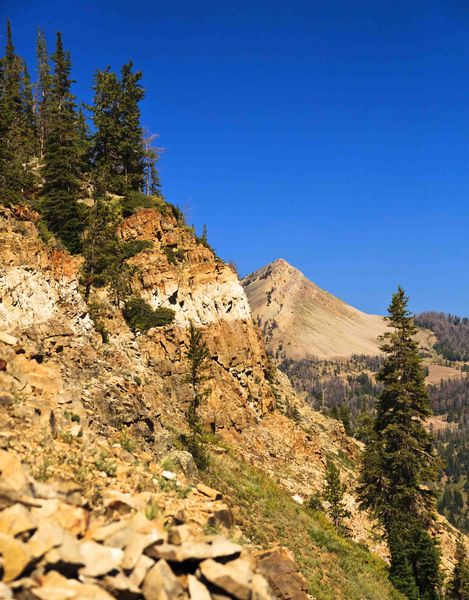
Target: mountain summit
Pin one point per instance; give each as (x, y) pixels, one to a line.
(301, 320)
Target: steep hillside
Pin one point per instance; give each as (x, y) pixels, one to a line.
(96, 410)
(300, 320)
(94, 414)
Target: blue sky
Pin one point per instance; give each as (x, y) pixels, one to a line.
(334, 133)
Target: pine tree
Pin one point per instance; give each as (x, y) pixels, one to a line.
(458, 588)
(133, 147)
(17, 127)
(333, 493)
(198, 355)
(104, 252)
(122, 161)
(43, 91)
(152, 185)
(62, 160)
(107, 140)
(84, 141)
(399, 463)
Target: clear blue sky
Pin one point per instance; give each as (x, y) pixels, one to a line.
(334, 133)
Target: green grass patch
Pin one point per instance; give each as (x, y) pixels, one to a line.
(335, 567)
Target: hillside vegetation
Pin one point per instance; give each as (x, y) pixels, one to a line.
(452, 334)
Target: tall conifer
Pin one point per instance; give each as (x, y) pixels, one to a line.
(399, 465)
(62, 159)
(17, 130)
(43, 91)
(121, 160)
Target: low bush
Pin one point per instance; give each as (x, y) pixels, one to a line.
(132, 201)
(134, 247)
(141, 317)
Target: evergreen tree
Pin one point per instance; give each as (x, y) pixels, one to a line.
(62, 160)
(399, 463)
(104, 253)
(152, 185)
(333, 494)
(133, 147)
(84, 141)
(17, 127)
(107, 140)
(458, 588)
(43, 91)
(198, 355)
(122, 160)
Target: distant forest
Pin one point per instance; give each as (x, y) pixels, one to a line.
(346, 390)
(452, 334)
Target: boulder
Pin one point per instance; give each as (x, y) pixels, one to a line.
(185, 461)
(162, 584)
(197, 590)
(208, 491)
(55, 586)
(218, 547)
(260, 589)
(14, 485)
(144, 564)
(117, 534)
(48, 535)
(16, 557)
(122, 586)
(221, 516)
(279, 568)
(16, 519)
(234, 578)
(136, 546)
(178, 534)
(99, 560)
(67, 556)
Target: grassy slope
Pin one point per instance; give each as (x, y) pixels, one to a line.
(335, 568)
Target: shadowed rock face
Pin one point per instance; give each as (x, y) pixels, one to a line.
(300, 320)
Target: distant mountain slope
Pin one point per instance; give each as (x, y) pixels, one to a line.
(300, 320)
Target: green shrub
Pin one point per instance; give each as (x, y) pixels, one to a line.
(134, 247)
(132, 201)
(43, 231)
(103, 463)
(194, 444)
(97, 312)
(174, 255)
(140, 316)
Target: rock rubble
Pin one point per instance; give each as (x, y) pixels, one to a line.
(52, 549)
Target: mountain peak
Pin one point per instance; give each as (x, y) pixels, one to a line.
(301, 320)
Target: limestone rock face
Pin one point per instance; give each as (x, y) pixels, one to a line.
(66, 362)
(196, 285)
